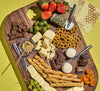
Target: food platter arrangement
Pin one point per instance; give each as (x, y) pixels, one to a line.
(49, 49)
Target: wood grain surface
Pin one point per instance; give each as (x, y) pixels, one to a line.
(20, 16)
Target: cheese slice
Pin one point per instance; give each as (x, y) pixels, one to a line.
(37, 37)
(40, 80)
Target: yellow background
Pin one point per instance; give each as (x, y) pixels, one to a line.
(8, 79)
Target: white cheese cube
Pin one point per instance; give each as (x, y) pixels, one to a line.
(48, 56)
(46, 43)
(49, 34)
(52, 55)
(37, 37)
(43, 52)
(39, 45)
(48, 49)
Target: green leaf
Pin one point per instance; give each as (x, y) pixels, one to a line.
(41, 2)
(53, 0)
(66, 3)
(58, 2)
(67, 10)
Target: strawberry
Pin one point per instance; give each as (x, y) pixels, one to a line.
(61, 8)
(44, 5)
(46, 14)
(52, 6)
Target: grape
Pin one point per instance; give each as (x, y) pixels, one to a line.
(37, 85)
(41, 24)
(34, 89)
(38, 88)
(36, 23)
(30, 87)
(36, 28)
(45, 22)
(44, 29)
(31, 30)
(35, 82)
(31, 80)
(32, 83)
(48, 26)
(41, 89)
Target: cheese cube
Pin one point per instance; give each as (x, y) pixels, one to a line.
(43, 52)
(52, 55)
(49, 34)
(39, 44)
(46, 43)
(37, 37)
(48, 56)
(48, 49)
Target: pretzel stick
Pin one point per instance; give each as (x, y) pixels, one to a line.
(71, 84)
(55, 80)
(37, 68)
(63, 78)
(42, 62)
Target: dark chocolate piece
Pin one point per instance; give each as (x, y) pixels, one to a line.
(15, 28)
(14, 24)
(58, 66)
(53, 65)
(13, 32)
(12, 37)
(85, 56)
(18, 35)
(83, 62)
(80, 70)
(19, 30)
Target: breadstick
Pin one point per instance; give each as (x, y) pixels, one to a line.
(55, 80)
(49, 71)
(39, 64)
(71, 84)
(37, 68)
(63, 78)
(42, 62)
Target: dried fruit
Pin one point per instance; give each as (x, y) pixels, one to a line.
(46, 14)
(82, 78)
(88, 78)
(92, 82)
(52, 6)
(89, 71)
(61, 8)
(44, 5)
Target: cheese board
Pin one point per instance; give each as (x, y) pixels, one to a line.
(20, 16)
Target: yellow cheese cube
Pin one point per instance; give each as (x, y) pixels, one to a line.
(37, 37)
(49, 34)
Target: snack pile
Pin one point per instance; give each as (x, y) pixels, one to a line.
(55, 59)
(64, 39)
(55, 78)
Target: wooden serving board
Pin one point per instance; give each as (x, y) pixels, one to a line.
(20, 16)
